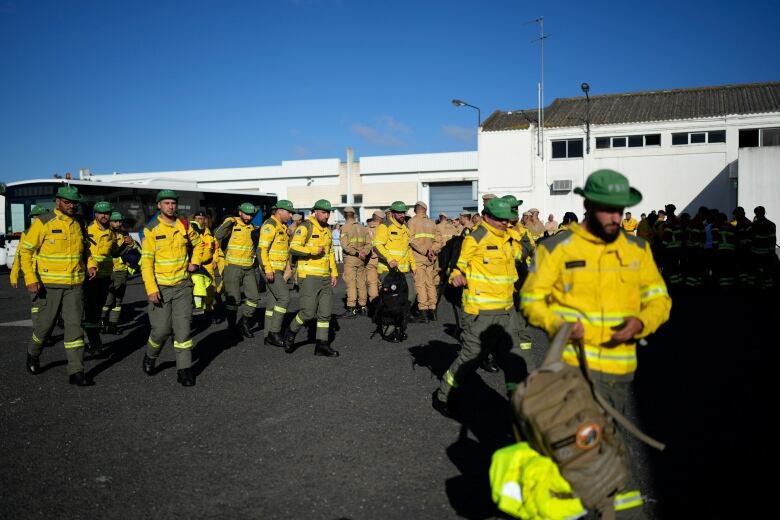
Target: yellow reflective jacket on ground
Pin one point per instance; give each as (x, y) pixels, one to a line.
(56, 242)
(240, 249)
(487, 260)
(164, 253)
(306, 243)
(103, 245)
(274, 245)
(528, 485)
(391, 242)
(576, 275)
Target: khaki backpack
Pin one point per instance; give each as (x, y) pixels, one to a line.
(559, 414)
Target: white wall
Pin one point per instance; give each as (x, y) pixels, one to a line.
(759, 181)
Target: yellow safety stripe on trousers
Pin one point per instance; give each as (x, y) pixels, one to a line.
(269, 312)
(298, 319)
(231, 307)
(34, 310)
(483, 299)
(182, 344)
(106, 307)
(423, 235)
(505, 280)
(651, 292)
(117, 309)
(37, 340)
(323, 324)
(526, 345)
(278, 309)
(250, 303)
(76, 343)
(152, 343)
(449, 378)
(628, 500)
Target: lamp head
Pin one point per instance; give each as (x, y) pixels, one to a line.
(458, 103)
(585, 87)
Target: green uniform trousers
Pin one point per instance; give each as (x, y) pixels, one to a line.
(49, 301)
(236, 277)
(172, 314)
(355, 280)
(409, 277)
(33, 309)
(95, 294)
(116, 293)
(278, 301)
(316, 295)
(485, 333)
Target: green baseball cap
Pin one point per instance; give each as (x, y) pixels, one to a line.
(514, 202)
(103, 207)
(248, 208)
(398, 207)
(322, 205)
(167, 194)
(38, 210)
(284, 204)
(500, 208)
(69, 193)
(609, 188)
(116, 216)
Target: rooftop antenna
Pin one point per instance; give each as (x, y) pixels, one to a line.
(540, 86)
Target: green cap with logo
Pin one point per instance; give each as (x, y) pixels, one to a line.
(323, 205)
(38, 210)
(167, 194)
(248, 208)
(609, 188)
(500, 208)
(398, 207)
(103, 207)
(284, 204)
(513, 201)
(117, 217)
(69, 193)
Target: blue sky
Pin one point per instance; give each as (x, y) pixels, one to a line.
(170, 85)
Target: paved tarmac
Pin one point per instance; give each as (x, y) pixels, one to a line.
(266, 434)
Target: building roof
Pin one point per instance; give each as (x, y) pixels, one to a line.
(640, 107)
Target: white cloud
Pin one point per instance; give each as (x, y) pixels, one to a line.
(459, 133)
(380, 137)
(301, 151)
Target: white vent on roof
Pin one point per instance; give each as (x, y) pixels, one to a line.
(562, 185)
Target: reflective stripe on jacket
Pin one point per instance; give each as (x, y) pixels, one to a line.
(274, 245)
(577, 276)
(487, 260)
(57, 243)
(102, 246)
(424, 235)
(240, 249)
(391, 242)
(164, 253)
(305, 245)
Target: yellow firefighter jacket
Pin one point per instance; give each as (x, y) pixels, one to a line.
(240, 249)
(391, 242)
(487, 260)
(57, 243)
(16, 268)
(306, 242)
(164, 253)
(210, 248)
(274, 245)
(576, 275)
(103, 246)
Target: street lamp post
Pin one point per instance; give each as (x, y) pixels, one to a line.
(586, 88)
(461, 103)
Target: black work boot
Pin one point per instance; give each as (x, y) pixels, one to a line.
(431, 314)
(149, 365)
(79, 379)
(289, 341)
(351, 312)
(362, 310)
(33, 364)
(246, 328)
(186, 377)
(442, 406)
(323, 348)
(275, 338)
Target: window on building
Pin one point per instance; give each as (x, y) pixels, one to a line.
(602, 142)
(559, 150)
(631, 141)
(358, 198)
(618, 142)
(714, 136)
(653, 140)
(748, 138)
(636, 141)
(698, 138)
(680, 138)
(770, 137)
(343, 198)
(718, 136)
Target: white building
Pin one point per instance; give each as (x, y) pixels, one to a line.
(676, 146)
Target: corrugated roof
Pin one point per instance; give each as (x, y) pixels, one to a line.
(640, 107)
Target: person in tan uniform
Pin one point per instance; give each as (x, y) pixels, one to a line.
(446, 229)
(372, 276)
(465, 223)
(425, 243)
(356, 247)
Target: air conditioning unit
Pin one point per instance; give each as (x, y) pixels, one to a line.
(562, 185)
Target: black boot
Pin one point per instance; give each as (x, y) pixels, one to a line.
(246, 328)
(149, 365)
(323, 348)
(489, 365)
(79, 379)
(431, 314)
(94, 343)
(33, 364)
(186, 377)
(362, 310)
(275, 338)
(289, 342)
(441, 406)
(351, 312)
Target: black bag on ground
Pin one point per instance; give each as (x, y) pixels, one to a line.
(393, 307)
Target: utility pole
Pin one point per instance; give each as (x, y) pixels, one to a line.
(540, 85)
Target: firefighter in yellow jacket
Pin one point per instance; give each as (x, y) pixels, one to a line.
(204, 280)
(486, 271)
(603, 280)
(426, 242)
(312, 244)
(240, 263)
(54, 259)
(112, 309)
(391, 245)
(170, 251)
(274, 248)
(16, 268)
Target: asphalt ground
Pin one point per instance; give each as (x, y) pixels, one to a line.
(266, 434)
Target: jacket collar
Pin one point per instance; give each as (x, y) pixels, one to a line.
(580, 231)
(495, 231)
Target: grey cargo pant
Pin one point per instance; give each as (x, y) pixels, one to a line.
(49, 301)
(172, 315)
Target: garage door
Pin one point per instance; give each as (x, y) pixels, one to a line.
(450, 198)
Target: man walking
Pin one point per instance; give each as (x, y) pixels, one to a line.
(112, 308)
(274, 254)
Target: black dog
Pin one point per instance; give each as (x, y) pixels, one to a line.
(393, 307)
